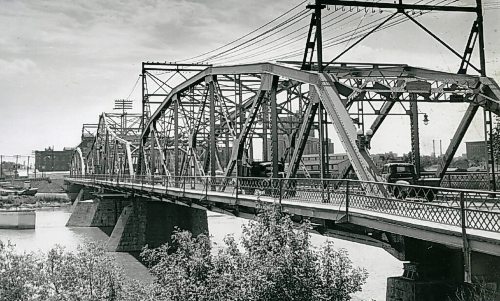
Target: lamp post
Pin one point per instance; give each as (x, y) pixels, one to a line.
(426, 119)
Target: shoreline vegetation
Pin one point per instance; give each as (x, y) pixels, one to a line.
(50, 194)
(38, 201)
(274, 260)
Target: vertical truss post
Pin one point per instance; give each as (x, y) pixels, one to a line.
(265, 123)
(415, 139)
(327, 148)
(140, 158)
(106, 154)
(322, 163)
(152, 150)
(115, 154)
(490, 156)
(211, 86)
(176, 136)
(241, 122)
(274, 126)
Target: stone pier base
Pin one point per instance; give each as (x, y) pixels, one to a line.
(146, 222)
(135, 222)
(88, 212)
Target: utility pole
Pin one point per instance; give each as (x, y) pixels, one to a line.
(15, 173)
(319, 39)
(1, 166)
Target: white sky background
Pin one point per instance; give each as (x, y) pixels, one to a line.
(62, 63)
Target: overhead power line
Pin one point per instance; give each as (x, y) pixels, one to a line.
(246, 35)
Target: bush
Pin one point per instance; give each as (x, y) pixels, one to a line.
(274, 261)
(478, 291)
(88, 274)
(277, 263)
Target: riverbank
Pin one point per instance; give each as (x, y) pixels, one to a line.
(39, 200)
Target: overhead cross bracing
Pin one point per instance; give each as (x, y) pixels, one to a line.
(226, 108)
(112, 148)
(181, 98)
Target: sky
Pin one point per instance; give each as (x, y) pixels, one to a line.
(63, 62)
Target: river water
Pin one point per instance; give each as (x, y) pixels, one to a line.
(50, 230)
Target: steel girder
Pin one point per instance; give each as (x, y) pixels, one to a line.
(112, 149)
(77, 164)
(222, 107)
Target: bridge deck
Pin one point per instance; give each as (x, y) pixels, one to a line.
(430, 222)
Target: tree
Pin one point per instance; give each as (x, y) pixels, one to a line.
(495, 142)
(274, 261)
(86, 275)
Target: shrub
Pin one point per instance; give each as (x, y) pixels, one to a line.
(277, 262)
(85, 275)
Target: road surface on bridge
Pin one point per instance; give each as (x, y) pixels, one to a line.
(427, 221)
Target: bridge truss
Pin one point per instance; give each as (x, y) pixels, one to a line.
(108, 147)
(208, 124)
(203, 120)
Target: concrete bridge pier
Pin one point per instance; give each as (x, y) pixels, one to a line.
(134, 222)
(435, 272)
(148, 222)
(96, 210)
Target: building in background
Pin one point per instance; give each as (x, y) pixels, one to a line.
(51, 160)
(476, 151)
(337, 165)
(312, 146)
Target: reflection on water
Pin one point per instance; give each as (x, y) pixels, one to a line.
(50, 230)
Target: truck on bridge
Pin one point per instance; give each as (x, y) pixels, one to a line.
(404, 174)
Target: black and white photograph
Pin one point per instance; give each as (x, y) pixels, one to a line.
(286, 150)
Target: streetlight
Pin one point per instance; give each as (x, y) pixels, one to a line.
(426, 119)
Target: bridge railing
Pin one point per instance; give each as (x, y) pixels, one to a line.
(465, 180)
(456, 207)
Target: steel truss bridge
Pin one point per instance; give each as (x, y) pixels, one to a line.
(201, 125)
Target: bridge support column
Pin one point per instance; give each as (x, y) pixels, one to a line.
(436, 272)
(96, 212)
(72, 190)
(146, 222)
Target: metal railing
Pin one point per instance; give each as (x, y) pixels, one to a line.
(478, 209)
(465, 180)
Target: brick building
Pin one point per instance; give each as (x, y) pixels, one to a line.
(51, 160)
(476, 151)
